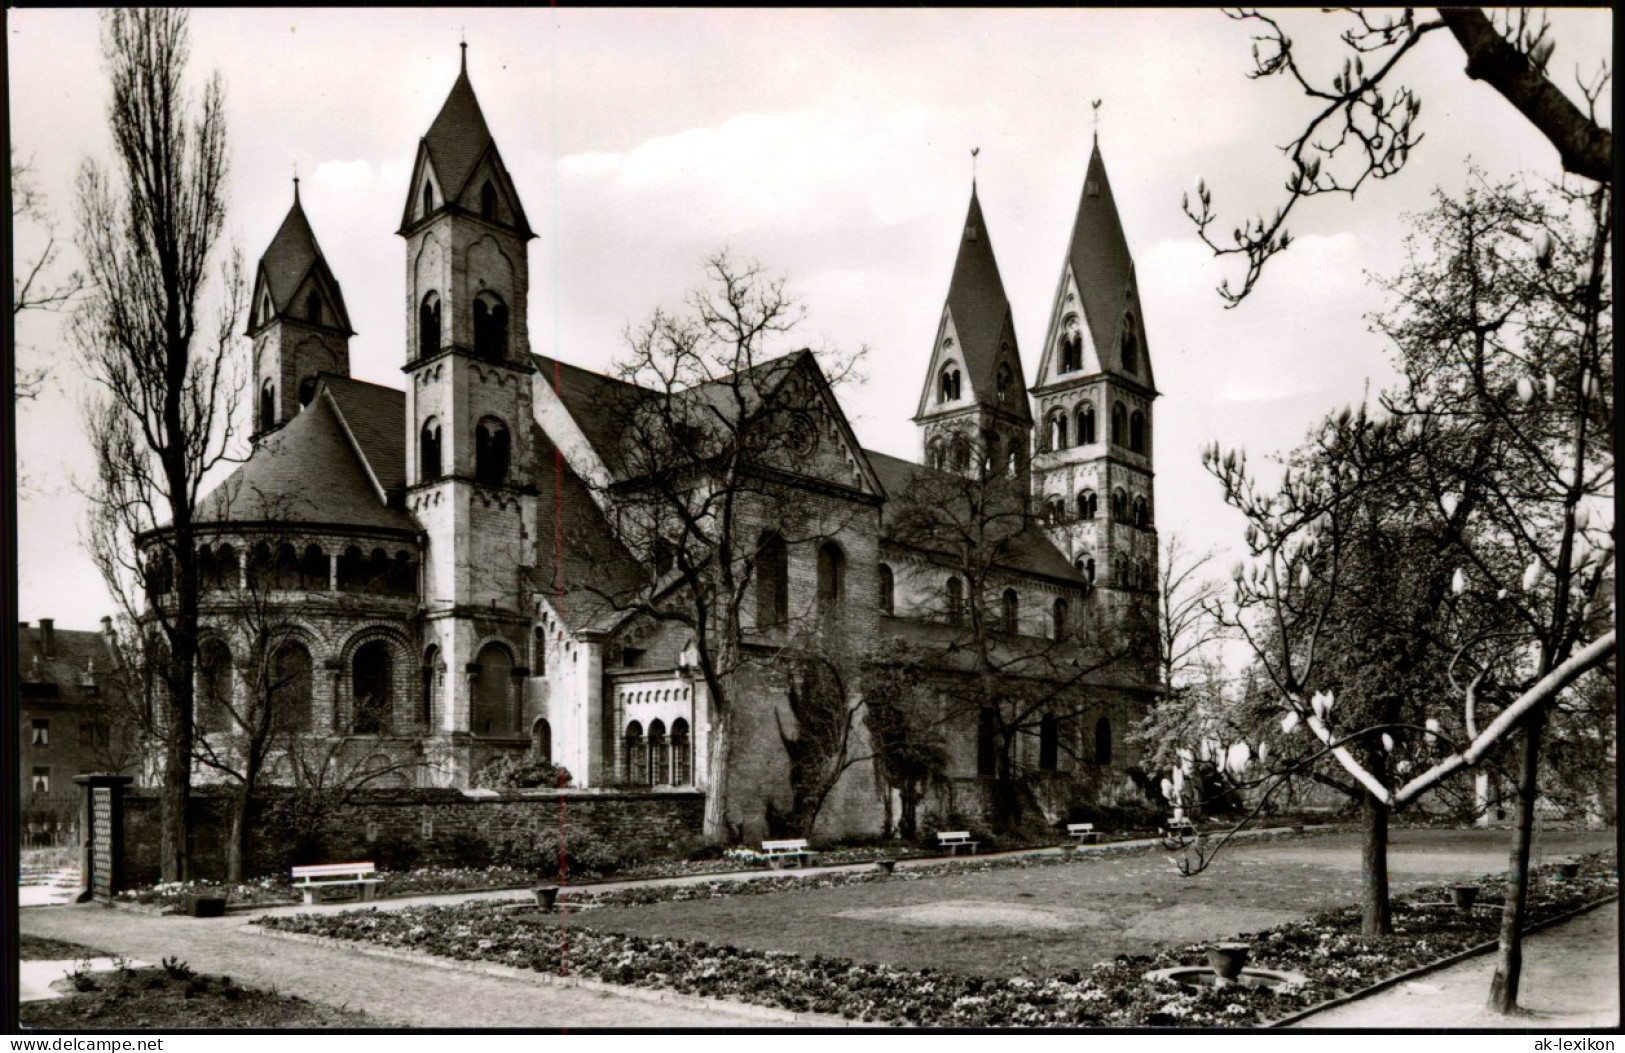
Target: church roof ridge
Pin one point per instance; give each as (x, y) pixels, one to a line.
(981, 309)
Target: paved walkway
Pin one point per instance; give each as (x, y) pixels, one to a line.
(1570, 981)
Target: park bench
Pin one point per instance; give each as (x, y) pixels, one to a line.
(954, 840)
(310, 881)
(1084, 832)
(795, 852)
(1181, 828)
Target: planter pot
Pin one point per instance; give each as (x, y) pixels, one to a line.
(206, 906)
(546, 896)
(1567, 871)
(1228, 959)
(886, 865)
(1464, 895)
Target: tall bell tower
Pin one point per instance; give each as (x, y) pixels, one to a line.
(470, 471)
(1092, 467)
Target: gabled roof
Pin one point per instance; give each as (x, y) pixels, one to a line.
(981, 312)
(597, 403)
(75, 656)
(376, 416)
(1100, 261)
(289, 259)
(312, 472)
(1030, 551)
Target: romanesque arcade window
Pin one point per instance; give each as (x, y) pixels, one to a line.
(1136, 432)
(429, 466)
(1004, 383)
(267, 404)
(488, 202)
(1058, 613)
(772, 581)
(290, 686)
(490, 327)
(1142, 512)
(1071, 346)
(636, 756)
(682, 760)
(1010, 611)
(831, 578)
(429, 323)
(1086, 424)
(491, 451)
(948, 384)
(493, 709)
(659, 757)
(1088, 505)
(370, 694)
(313, 307)
(307, 390)
(541, 741)
(888, 590)
(1131, 345)
(1119, 424)
(214, 687)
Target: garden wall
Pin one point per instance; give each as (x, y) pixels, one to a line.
(402, 828)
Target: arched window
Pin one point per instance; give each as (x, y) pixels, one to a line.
(659, 758)
(948, 384)
(934, 455)
(262, 568)
(429, 703)
(493, 710)
(352, 569)
(378, 571)
(1088, 507)
(1131, 345)
(1136, 432)
(429, 325)
(831, 578)
(214, 687)
(370, 693)
(488, 201)
(1119, 506)
(1119, 424)
(428, 200)
(1142, 512)
(1057, 430)
(1049, 743)
(888, 590)
(403, 580)
(491, 451)
(1071, 346)
(1004, 382)
(429, 451)
(772, 581)
(267, 404)
(990, 441)
(307, 390)
(490, 327)
(1055, 511)
(1103, 741)
(958, 453)
(538, 647)
(682, 767)
(1010, 611)
(227, 575)
(541, 741)
(290, 693)
(1086, 424)
(287, 566)
(956, 601)
(636, 756)
(207, 572)
(1058, 614)
(1085, 565)
(313, 307)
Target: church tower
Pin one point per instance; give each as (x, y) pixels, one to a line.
(973, 410)
(470, 460)
(1092, 469)
(297, 322)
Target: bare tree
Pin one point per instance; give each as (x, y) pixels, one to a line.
(1364, 123)
(167, 382)
(706, 485)
(1187, 627)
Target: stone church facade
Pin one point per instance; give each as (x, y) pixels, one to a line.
(434, 552)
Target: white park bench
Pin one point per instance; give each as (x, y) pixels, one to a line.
(310, 881)
(777, 852)
(954, 840)
(1085, 833)
(1181, 828)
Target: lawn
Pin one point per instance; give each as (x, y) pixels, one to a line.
(1044, 920)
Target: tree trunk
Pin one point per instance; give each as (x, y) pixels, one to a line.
(237, 840)
(909, 827)
(1509, 958)
(716, 793)
(172, 854)
(1376, 918)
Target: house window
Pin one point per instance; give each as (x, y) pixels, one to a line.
(1087, 505)
(1010, 611)
(42, 779)
(682, 767)
(429, 325)
(1058, 614)
(267, 404)
(831, 578)
(956, 601)
(490, 327)
(40, 737)
(888, 590)
(493, 708)
(488, 202)
(636, 756)
(772, 581)
(94, 733)
(1136, 432)
(491, 452)
(1103, 741)
(659, 758)
(1086, 424)
(1049, 743)
(429, 451)
(370, 676)
(1119, 424)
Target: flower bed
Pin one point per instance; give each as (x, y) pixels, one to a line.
(1326, 948)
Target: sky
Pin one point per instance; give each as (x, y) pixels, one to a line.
(834, 147)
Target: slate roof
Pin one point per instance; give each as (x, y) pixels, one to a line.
(310, 472)
(981, 313)
(292, 254)
(377, 418)
(1100, 261)
(458, 136)
(1031, 551)
(61, 677)
(575, 544)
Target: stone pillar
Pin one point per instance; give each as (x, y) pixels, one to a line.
(101, 853)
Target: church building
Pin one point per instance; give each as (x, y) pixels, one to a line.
(439, 554)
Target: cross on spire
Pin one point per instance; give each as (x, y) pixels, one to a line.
(1095, 105)
(296, 182)
(462, 42)
(974, 151)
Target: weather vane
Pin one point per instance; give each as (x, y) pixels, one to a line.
(296, 180)
(1096, 106)
(973, 152)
